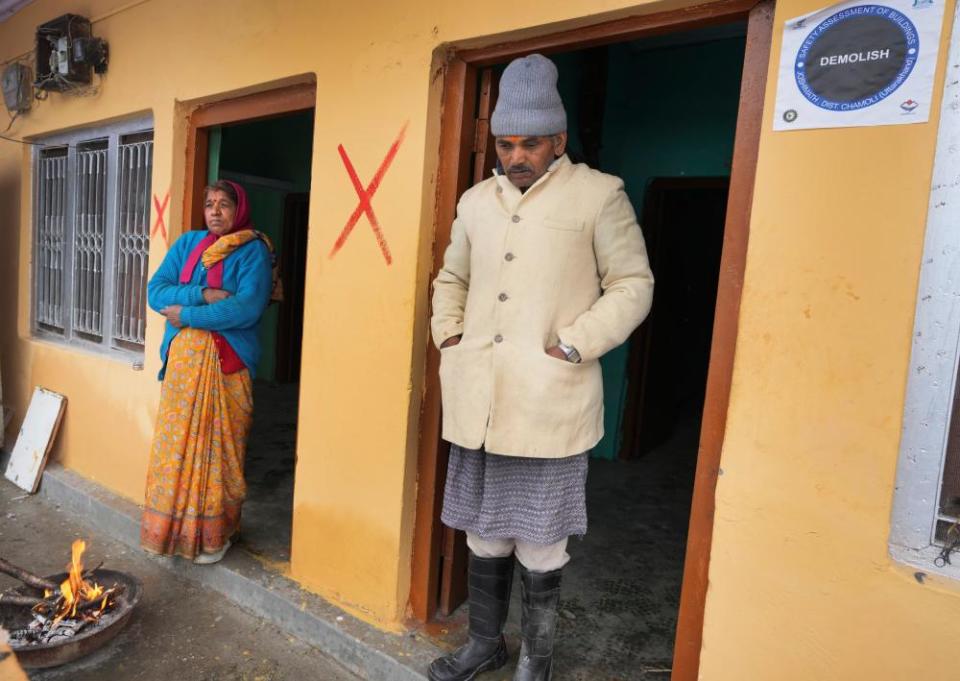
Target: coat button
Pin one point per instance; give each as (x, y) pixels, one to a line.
(502, 297)
(516, 218)
(509, 257)
(499, 190)
(498, 338)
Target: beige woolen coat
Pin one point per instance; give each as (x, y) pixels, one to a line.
(564, 261)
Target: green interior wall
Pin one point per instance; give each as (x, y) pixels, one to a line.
(276, 150)
(670, 111)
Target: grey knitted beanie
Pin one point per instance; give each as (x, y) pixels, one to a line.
(529, 104)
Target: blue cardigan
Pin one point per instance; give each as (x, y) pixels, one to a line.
(246, 274)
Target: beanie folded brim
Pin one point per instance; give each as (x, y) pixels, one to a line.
(528, 122)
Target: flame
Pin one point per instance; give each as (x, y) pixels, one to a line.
(75, 590)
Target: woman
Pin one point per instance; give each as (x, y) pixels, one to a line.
(212, 287)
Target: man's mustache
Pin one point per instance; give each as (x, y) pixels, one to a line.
(519, 169)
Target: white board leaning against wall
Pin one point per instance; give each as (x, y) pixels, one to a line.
(859, 64)
(36, 438)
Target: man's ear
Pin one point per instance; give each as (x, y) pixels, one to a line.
(559, 144)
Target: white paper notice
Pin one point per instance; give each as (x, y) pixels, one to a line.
(856, 64)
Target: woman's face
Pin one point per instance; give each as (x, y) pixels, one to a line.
(219, 212)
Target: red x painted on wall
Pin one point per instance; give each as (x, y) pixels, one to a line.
(160, 224)
(365, 195)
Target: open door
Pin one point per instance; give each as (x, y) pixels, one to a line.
(439, 561)
(237, 139)
(453, 570)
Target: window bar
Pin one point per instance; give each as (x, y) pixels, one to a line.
(130, 322)
(120, 292)
(101, 213)
(90, 285)
(52, 239)
(89, 252)
(89, 241)
(41, 267)
(97, 253)
(131, 199)
(49, 238)
(143, 243)
(60, 229)
(112, 173)
(55, 237)
(61, 247)
(132, 205)
(123, 261)
(79, 234)
(56, 286)
(133, 240)
(56, 228)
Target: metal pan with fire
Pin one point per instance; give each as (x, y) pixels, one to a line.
(53, 620)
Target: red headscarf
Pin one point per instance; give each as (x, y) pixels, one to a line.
(242, 218)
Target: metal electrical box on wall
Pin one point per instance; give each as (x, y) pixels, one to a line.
(67, 53)
(17, 86)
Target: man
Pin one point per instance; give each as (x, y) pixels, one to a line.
(545, 272)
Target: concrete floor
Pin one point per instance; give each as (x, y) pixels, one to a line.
(621, 589)
(622, 585)
(271, 458)
(179, 630)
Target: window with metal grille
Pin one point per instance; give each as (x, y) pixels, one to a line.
(925, 522)
(91, 227)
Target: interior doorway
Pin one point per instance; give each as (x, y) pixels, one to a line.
(683, 137)
(264, 143)
(661, 388)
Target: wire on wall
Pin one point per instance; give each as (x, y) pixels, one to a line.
(55, 79)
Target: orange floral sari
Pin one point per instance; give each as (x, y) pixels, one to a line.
(195, 486)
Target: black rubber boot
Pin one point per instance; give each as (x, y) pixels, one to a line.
(488, 581)
(541, 597)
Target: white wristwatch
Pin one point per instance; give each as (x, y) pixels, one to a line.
(570, 352)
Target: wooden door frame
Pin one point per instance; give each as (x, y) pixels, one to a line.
(253, 107)
(456, 143)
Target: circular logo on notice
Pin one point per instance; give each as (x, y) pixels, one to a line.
(790, 115)
(856, 57)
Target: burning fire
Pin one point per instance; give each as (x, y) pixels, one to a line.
(77, 591)
(79, 598)
(63, 611)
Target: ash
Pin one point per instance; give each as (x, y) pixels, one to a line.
(42, 630)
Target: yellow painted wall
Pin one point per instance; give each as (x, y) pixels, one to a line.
(801, 586)
(364, 330)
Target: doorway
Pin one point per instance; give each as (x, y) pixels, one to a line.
(264, 143)
(686, 147)
(661, 388)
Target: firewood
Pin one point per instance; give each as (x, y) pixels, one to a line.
(27, 578)
(18, 599)
(87, 574)
(93, 604)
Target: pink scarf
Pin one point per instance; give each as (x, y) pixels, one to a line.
(215, 273)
